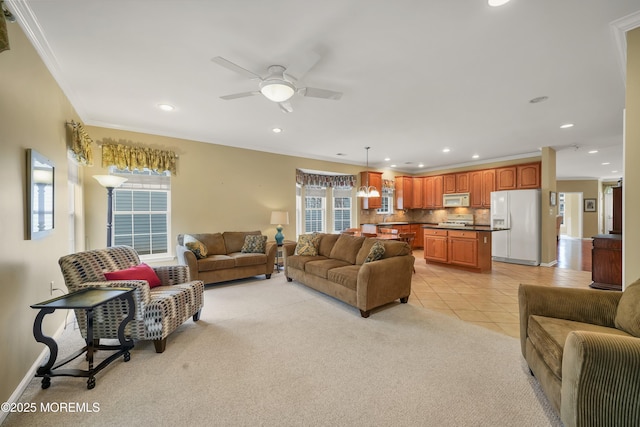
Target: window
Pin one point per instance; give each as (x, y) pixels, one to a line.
(342, 203)
(323, 210)
(387, 204)
(314, 209)
(141, 213)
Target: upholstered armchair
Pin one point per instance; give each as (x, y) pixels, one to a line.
(583, 347)
(159, 310)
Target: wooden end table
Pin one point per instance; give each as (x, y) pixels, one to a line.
(86, 299)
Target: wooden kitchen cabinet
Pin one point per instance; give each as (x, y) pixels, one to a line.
(449, 184)
(373, 179)
(506, 178)
(482, 183)
(463, 248)
(528, 176)
(456, 183)
(418, 242)
(404, 192)
(432, 187)
(418, 193)
(435, 245)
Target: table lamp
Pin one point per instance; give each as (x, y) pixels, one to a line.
(279, 218)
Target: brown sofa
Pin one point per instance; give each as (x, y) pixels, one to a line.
(224, 260)
(582, 346)
(339, 270)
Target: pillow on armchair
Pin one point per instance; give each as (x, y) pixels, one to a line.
(138, 272)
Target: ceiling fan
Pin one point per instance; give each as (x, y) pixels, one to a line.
(277, 86)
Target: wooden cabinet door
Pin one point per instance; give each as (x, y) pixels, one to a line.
(506, 178)
(463, 248)
(418, 202)
(475, 189)
(528, 176)
(373, 179)
(404, 192)
(435, 248)
(462, 182)
(418, 242)
(428, 193)
(488, 185)
(449, 185)
(438, 189)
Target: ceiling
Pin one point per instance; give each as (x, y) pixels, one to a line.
(416, 76)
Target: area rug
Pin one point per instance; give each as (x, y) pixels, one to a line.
(272, 353)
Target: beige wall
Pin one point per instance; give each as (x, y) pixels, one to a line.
(33, 111)
(590, 189)
(630, 188)
(548, 240)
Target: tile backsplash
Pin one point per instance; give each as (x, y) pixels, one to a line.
(480, 216)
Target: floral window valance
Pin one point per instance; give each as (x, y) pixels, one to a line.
(126, 156)
(320, 180)
(80, 146)
(388, 187)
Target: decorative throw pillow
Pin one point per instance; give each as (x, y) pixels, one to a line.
(139, 272)
(308, 244)
(376, 252)
(628, 313)
(254, 244)
(195, 246)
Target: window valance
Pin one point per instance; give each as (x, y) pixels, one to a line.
(388, 187)
(126, 156)
(80, 146)
(320, 180)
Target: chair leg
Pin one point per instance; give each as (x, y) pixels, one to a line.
(196, 316)
(160, 345)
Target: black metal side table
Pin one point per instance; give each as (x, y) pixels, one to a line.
(86, 299)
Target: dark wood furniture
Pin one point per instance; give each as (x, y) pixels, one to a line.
(617, 211)
(87, 299)
(606, 258)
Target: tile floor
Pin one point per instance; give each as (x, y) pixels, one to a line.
(489, 299)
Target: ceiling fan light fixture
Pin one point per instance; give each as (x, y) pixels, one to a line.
(277, 90)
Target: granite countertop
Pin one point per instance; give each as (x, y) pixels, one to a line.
(467, 228)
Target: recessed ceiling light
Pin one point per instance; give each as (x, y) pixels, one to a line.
(475, 156)
(393, 166)
(420, 165)
(606, 163)
(566, 126)
(614, 171)
(276, 130)
(166, 107)
(446, 150)
(538, 99)
(593, 151)
(496, 3)
(386, 159)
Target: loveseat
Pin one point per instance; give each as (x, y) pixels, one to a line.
(583, 347)
(343, 267)
(164, 297)
(224, 258)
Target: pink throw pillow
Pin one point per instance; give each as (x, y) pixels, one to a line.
(139, 272)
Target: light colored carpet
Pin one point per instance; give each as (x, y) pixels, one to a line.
(272, 353)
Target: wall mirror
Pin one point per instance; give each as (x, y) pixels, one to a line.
(40, 195)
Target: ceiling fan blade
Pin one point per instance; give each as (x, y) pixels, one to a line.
(234, 67)
(299, 68)
(320, 93)
(240, 95)
(286, 107)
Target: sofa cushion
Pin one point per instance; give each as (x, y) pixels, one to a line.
(234, 240)
(216, 262)
(376, 252)
(308, 244)
(321, 268)
(346, 248)
(327, 241)
(195, 246)
(214, 242)
(243, 258)
(628, 312)
(346, 276)
(298, 261)
(548, 335)
(138, 272)
(254, 244)
(395, 248)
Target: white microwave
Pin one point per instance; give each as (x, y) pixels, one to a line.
(456, 200)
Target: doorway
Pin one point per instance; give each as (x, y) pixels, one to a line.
(570, 207)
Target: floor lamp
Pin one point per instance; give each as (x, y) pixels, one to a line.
(279, 218)
(109, 182)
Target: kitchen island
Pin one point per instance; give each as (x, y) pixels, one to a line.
(465, 247)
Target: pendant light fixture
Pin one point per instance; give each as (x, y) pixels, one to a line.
(365, 190)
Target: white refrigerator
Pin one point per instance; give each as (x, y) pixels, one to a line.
(518, 211)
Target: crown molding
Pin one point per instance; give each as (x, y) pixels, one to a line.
(619, 29)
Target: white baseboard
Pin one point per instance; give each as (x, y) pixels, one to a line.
(31, 372)
(549, 264)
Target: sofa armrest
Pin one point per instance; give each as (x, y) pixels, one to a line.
(383, 281)
(600, 380)
(173, 274)
(581, 305)
(188, 258)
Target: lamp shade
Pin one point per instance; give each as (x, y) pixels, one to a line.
(277, 90)
(279, 217)
(110, 181)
